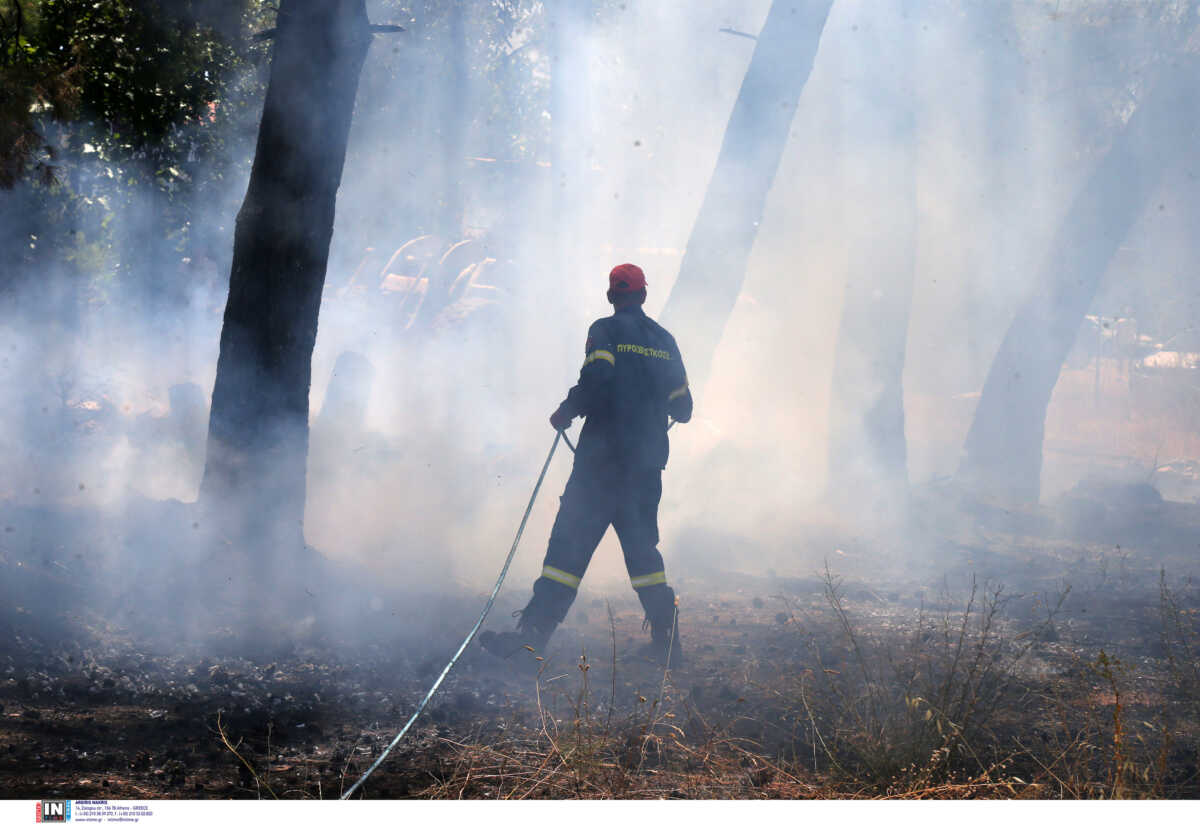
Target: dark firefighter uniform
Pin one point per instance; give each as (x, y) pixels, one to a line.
(631, 381)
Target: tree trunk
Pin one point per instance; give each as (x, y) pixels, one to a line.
(254, 477)
(868, 457)
(1003, 450)
(714, 264)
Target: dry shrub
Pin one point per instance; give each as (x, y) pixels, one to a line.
(898, 716)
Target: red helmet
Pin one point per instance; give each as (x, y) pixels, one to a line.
(626, 278)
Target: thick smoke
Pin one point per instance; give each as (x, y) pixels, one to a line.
(427, 439)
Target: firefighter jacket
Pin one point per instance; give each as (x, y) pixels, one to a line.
(632, 378)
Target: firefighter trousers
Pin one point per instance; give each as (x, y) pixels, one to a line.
(598, 495)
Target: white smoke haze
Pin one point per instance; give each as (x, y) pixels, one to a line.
(426, 491)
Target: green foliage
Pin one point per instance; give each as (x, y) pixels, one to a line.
(126, 74)
(139, 74)
(107, 104)
(110, 105)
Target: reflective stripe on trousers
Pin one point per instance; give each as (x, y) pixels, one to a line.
(565, 578)
(650, 580)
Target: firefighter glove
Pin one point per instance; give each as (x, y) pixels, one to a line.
(561, 419)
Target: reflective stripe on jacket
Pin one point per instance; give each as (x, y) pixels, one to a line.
(632, 378)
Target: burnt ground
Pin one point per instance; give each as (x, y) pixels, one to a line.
(1029, 654)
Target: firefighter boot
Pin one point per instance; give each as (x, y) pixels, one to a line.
(528, 637)
(663, 616)
(536, 624)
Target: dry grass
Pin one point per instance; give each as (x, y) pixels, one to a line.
(954, 702)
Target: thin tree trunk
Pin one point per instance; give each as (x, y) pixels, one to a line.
(254, 477)
(868, 457)
(1003, 450)
(714, 264)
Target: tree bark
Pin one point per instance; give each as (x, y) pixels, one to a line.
(1003, 450)
(868, 456)
(714, 264)
(254, 476)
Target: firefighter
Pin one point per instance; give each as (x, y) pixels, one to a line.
(632, 379)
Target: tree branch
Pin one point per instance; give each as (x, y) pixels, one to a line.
(737, 33)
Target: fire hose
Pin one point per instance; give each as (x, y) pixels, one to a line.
(482, 616)
(475, 629)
